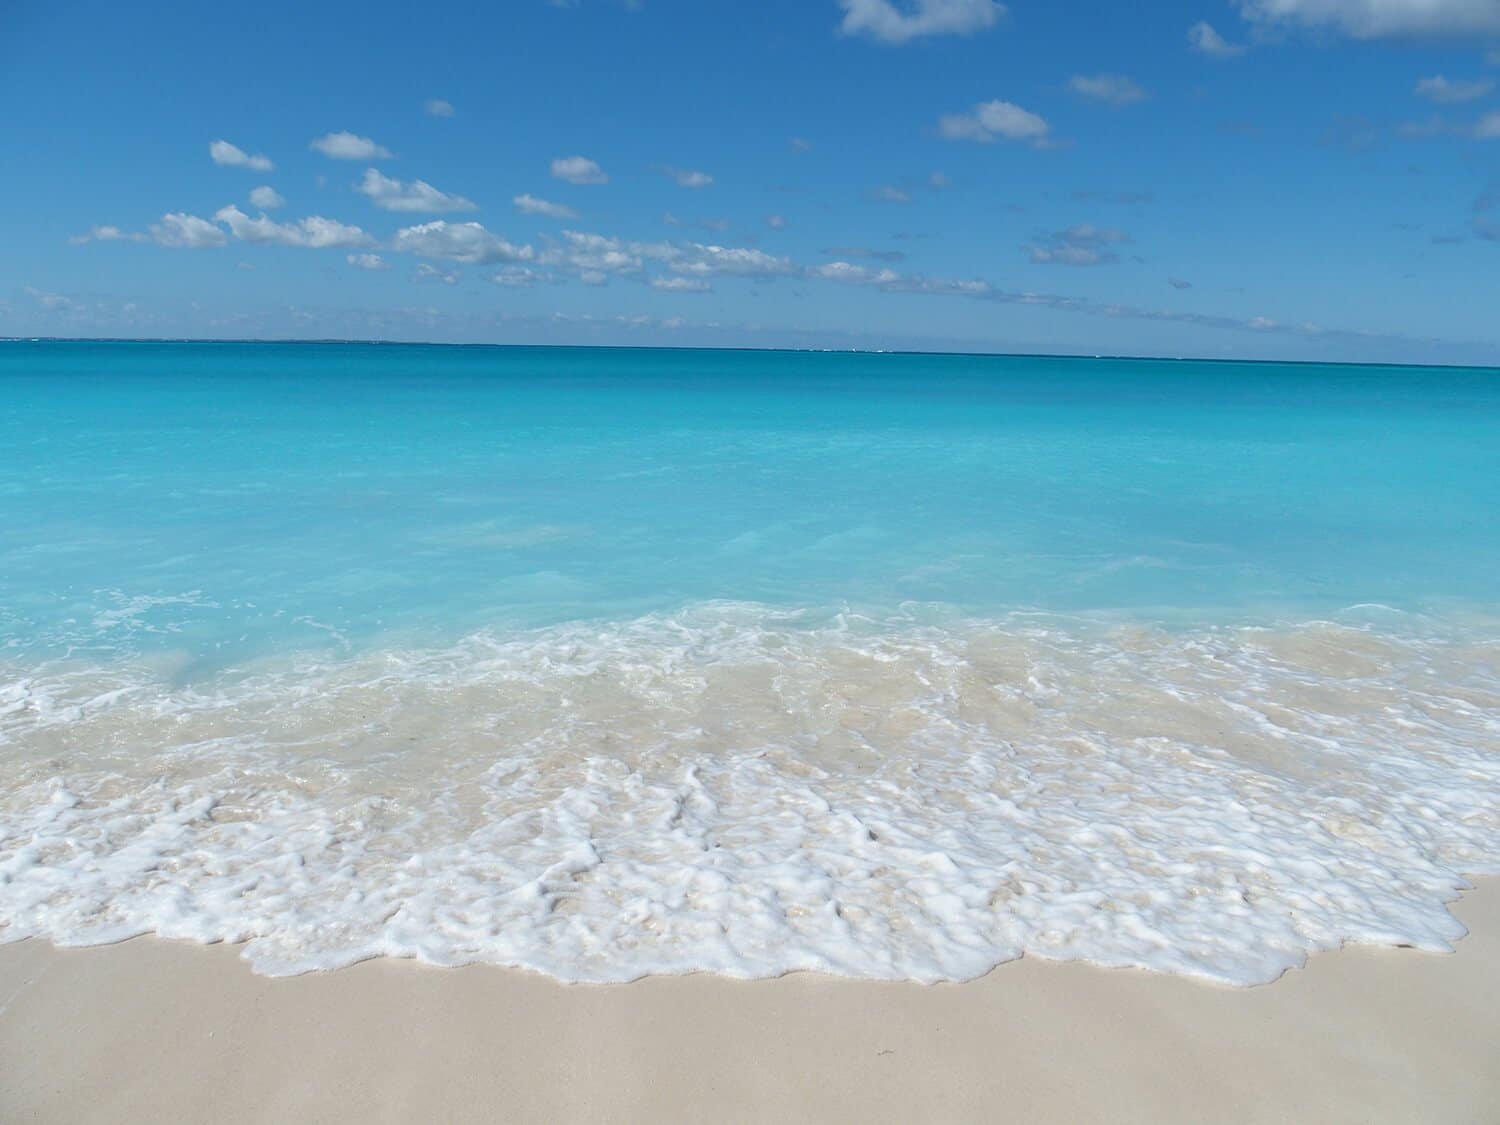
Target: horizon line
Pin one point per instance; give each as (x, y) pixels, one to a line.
(957, 354)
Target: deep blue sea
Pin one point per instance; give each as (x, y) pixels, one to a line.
(613, 661)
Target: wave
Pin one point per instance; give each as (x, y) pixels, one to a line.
(750, 792)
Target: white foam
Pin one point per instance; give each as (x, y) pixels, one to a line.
(743, 792)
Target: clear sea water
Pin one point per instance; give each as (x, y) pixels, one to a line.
(605, 662)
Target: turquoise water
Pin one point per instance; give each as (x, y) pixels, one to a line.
(613, 662)
(235, 499)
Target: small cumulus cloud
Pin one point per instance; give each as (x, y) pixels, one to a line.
(180, 230)
(418, 195)
(266, 198)
(1206, 41)
(776, 222)
(1112, 89)
(437, 107)
(995, 120)
(578, 170)
(314, 232)
(531, 205)
(367, 262)
(227, 155)
(885, 22)
(461, 242)
(348, 146)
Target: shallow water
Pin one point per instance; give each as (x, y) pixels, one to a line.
(608, 663)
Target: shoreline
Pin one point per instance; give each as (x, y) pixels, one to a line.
(151, 1030)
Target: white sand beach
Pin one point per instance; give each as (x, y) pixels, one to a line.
(152, 1031)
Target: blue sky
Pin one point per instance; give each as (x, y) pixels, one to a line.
(1313, 179)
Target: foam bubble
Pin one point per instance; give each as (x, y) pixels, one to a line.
(750, 792)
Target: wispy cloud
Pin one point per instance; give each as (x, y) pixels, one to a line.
(437, 107)
(1112, 89)
(1083, 245)
(416, 196)
(1440, 89)
(1378, 19)
(531, 205)
(887, 193)
(367, 261)
(885, 22)
(687, 177)
(1206, 41)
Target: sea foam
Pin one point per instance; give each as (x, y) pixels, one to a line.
(750, 792)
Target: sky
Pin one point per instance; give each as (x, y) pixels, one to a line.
(1277, 179)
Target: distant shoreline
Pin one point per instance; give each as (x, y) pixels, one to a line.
(956, 354)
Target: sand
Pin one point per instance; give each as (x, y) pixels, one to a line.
(151, 1031)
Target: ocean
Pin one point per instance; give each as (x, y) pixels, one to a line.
(611, 662)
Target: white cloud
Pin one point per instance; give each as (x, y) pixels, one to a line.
(578, 170)
(531, 205)
(107, 234)
(1206, 41)
(437, 107)
(994, 119)
(367, 262)
(688, 178)
(851, 274)
(594, 277)
(347, 146)
(800, 144)
(702, 260)
(882, 20)
(227, 155)
(1440, 89)
(516, 277)
(598, 253)
(888, 194)
(1488, 126)
(937, 181)
(425, 272)
(461, 242)
(1376, 19)
(1115, 89)
(179, 229)
(681, 285)
(314, 232)
(776, 222)
(419, 195)
(266, 198)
